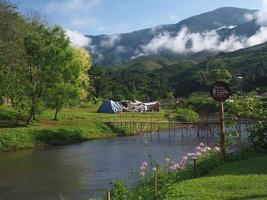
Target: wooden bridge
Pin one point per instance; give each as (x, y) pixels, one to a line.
(198, 129)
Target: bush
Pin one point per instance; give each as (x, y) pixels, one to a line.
(186, 115)
(202, 103)
(120, 191)
(58, 136)
(259, 136)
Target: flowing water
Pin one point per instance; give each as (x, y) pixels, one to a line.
(81, 171)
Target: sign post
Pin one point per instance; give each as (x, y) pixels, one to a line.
(220, 91)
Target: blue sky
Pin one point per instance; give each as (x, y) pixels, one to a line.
(95, 17)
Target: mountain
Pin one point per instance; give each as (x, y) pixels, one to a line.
(108, 50)
(156, 78)
(249, 63)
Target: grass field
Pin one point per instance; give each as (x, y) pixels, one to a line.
(236, 179)
(74, 125)
(245, 179)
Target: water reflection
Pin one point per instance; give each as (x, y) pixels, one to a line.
(80, 171)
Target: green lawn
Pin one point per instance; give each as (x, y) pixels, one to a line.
(245, 179)
(73, 125)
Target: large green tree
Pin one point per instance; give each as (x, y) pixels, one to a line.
(38, 65)
(70, 81)
(13, 30)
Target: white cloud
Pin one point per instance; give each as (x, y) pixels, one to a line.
(78, 39)
(120, 49)
(260, 16)
(249, 17)
(185, 41)
(110, 41)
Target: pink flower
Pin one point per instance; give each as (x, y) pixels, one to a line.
(142, 173)
(185, 158)
(142, 168)
(201, 145)
(208, 148)
(174, 166)
(144, 163)
(198, 148)
(198, 154)
(167, 160)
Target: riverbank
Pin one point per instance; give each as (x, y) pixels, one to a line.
(235, 179)
(74, 125)
(245, 179)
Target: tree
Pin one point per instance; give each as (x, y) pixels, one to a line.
(202, 103)
(246, 106)
(13, 29)
(218, 75)
(71, 82)
(47, 52)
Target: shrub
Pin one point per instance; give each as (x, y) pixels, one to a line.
(120, 191)
(186, 115)
(258, 135)
(202, 103)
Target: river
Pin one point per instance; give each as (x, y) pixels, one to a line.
(81, 171)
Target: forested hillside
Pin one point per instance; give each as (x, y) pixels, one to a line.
(150, 78)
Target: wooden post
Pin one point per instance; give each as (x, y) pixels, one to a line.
(222, 145)
(151, 124)
(155, 184)
(195, 167)
(169, 129)
(182, 126)
(158, 128)
(108, 195)
(121, 121)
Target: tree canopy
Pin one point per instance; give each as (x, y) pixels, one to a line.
(38, 65)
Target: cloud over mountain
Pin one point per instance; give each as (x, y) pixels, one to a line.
(78, 39)
(186, 41)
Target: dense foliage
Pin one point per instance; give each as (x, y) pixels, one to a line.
(186, 115)
(136, 82)
(38, 65)
(245, 70)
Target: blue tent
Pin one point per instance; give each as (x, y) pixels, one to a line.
(109, 106)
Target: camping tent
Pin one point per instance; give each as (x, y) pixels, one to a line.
(109, 106)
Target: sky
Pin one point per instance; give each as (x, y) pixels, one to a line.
(94, 17)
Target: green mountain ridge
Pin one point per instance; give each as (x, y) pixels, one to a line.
(155, 77)
(122, 48)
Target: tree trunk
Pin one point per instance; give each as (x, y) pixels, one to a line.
(18, 118)
(30, 118)
(55, 117)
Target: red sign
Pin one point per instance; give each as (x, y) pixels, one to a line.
(220, 91)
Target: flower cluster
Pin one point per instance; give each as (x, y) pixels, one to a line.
(200, 150)
(186, 159)
(143, 168)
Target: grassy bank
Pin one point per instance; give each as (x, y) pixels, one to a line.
(74, 125)
(246, 179)
(236, 179)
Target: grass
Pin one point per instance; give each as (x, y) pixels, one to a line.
(234, 180)
(246, 179)
(74, 125)
(221, 187)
